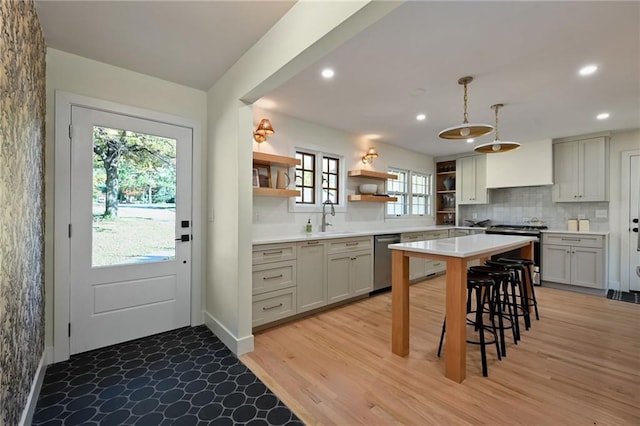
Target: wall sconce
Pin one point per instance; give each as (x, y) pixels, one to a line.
(369, 156)
(264, 128)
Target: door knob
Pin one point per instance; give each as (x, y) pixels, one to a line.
(635, 220)
(635, 229)
(184, 238)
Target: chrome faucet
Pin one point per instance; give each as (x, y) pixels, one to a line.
(324, 214)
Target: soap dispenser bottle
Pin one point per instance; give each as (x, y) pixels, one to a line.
(309, 227)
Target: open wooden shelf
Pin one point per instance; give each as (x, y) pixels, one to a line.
(371, 198)
(372, 174)
(276, 160)
(274, 192)
(445, 213)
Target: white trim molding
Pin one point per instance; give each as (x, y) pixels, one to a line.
(36, 385)
(238, 346)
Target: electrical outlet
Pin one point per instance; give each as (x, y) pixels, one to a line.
(601, 214)
(582, 216)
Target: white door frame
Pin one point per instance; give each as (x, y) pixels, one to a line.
(625, 219)
(62, 209)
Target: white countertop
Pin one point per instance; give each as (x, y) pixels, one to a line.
(465, 246)
(346, 234)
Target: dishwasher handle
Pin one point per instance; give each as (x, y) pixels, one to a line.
(391, 240)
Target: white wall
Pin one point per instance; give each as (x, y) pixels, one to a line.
(86, 77)
(307, 32)
(273, 216)
(619, 142)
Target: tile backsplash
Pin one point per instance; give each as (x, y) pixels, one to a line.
(518, 205)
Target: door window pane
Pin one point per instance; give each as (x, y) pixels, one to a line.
(134, 196)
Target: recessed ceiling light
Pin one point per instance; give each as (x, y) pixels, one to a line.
(328, 73)
(421, 117)
(588, 70)
(372, 136)
(602, 116)
(471, 140)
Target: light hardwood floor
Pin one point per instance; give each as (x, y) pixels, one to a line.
(580, 364)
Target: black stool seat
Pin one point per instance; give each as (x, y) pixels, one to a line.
(484, 288)
(516, 260)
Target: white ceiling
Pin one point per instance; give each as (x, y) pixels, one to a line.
(188, 42)
(523, 54)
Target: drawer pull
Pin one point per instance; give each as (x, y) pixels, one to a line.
(272, 278)
(310, 243)
(352, 244)
(570, 239)
(271, 253)
(268, 308)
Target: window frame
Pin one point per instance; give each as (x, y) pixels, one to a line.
(316, 206)
(409, 194)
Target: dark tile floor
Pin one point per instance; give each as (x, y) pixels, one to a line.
(182, 377)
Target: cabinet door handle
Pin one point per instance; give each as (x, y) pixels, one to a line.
(271, 253)
(272, 278)
(268, 308)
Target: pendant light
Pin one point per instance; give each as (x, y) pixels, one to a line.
(466, 130)
(497, 145)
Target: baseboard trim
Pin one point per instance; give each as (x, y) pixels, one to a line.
(36, 384)
(575, 288)
(235, 345)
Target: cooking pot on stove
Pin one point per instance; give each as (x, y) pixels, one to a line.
(480, 223)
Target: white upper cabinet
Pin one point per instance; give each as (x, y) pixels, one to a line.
(471, 180)
(580, 170)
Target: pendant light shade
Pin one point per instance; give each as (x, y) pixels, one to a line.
(466, 130)
(497, 145)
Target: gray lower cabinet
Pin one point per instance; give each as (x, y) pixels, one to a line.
(292, 278)
(574, 259)
(420, 268)
(273, 282)
(349, 274)
(312, 278)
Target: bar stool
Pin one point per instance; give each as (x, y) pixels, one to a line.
(483, 286)
(501, 278)
(528, 276)
(513, 291)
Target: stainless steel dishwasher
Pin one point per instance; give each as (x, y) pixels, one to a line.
(382, 260)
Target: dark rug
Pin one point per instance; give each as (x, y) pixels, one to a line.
(623, 295)
(182, 377)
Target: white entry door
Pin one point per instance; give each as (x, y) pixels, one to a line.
(634, 216)
(130, 228)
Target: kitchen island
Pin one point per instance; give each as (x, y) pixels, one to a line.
(457, 252)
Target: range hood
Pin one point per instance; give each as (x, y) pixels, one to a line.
(531, 165)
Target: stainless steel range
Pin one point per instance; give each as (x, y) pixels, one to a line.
(524, 230)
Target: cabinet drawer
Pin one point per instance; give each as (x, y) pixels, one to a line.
(272, 306)
(435, 235)
(409, 237)
(267, 253)
(341, 245)
(274, 276)
(595, 241)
